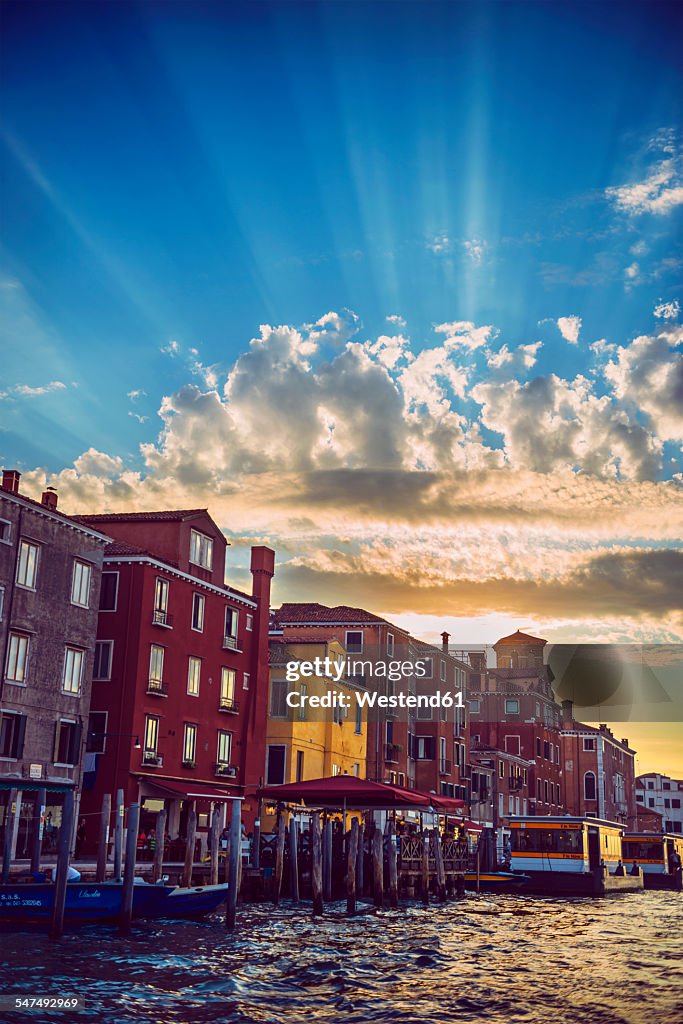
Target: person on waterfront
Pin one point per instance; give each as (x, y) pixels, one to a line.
(80, 837)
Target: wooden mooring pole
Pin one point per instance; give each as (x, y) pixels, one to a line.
(215, 839)
(38, 826)
(9, 830)
(327, 860)
(129, 869)
(235, 857)
(118, 834)
(393, 866)
(103, 843)
(378, 868)
(440, 867)
(351, 869)
(65, 829)
(159, 840)
(293, 860)
(186, 877)
(425, 867)
(316, 865)
(279, 855)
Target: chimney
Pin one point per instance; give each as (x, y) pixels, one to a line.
(567, 712)
(10, 480)
(625, 741)
(49, 498)
(445, 637)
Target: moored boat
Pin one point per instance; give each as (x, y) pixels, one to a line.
(658, 855)
(571, 856)
(27, 902)
(496, 881)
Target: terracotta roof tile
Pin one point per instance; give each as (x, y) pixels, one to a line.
(173, 515)
(520, 638)
(294, 612)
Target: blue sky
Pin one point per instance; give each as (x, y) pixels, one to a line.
(190, 171)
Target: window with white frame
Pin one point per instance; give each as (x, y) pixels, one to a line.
(249, 621)
(67, 742)
(194, 671)
(16, 670)
(104, 650)
(161, 589)
(201, 549)
(390, 644)
(278, 698)
(275, 764)
(231, 623)
(511, 707)
(227, 687)
(27, 564)
(428, 668)
(354, 641)
(198, 612)
(80, 583)
(475, 707)
(443, 671)
(245, 681)
(73, 670)
(589, 743)
(151, 734)
(189, 743)
(424, 714)
(12, 732)
(5, 531)
(156, 665)
(224, 747)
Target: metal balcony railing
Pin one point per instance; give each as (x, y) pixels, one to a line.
(162, 618)
(391, 752)
(445, 766)
(157, 688)
(230, 643)
(228, 704)
(153, 758)
(222, 768)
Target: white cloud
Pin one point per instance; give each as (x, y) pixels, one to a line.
(647, 374)
(171, 349)
(27, 391)
(138, 417)
(439, 243)
(135, 394)
(464, 334)
(660, 191)
(510, 363)
(570, 327)
(476, 249)
(668, 310)
(395, 319)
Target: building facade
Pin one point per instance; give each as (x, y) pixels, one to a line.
(599, 773)
(179, 707)
(661, 795)
(50, 572)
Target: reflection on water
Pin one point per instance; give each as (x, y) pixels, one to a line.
(496, 958)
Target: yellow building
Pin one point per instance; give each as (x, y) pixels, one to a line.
(305, 742)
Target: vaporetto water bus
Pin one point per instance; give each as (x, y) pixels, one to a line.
(659, 856)
(571, 856)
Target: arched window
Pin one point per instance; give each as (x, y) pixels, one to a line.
(589, 786)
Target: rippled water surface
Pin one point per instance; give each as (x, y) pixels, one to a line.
(495, 958)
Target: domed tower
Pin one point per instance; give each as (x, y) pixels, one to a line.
(519, 650)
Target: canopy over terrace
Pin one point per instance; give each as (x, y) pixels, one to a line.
(338, 791)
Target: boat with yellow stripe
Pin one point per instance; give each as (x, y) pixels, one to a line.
(659, 855)
(571, 856)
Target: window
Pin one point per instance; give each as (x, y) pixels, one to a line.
(545, 791)
(525, 776)
(651, 802)
(501, 804)
(650, 784)
(73, 670)
(512, 745)
(5, 531)
(17, 658)
(354, 641)
(501, 769)
(109, 591)
(231, 622)
(301, 710)
(546, 750)
(424, 748)
(538, 746)
(201, 549)
(299, 765)
(80, 584)
(667, 803)
(442, 667)
(161, 603)
(275, 765)
(189, 743)
(390, 644)
(245, 681)
(104, 650)
(539, 789)
(224, 747)
(27, 564)
(198, 612)
(538, 710)
(156, 665)
(475, 707)
(359, 719)
(675, 803)
(95, 741)
(589, 786)
(2, 601)
(428, 667)
(589, 743)
(424, 714)
(227, 688)
(67, 742)
(511, 707)
(151, 734)
(12, 731)
(666, 785)
(249, 621)
(194, 671)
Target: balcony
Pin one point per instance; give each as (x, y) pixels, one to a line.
(162, 618)
(189, 762)
(227, 770)
(229, 705)
(391, 752)
(444, 766)
(514, 783)
(152, 759)
(230, 643)
(157, 688)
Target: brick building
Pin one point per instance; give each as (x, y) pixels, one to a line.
(599, 771)
(50, 570)
(513, 710)
(180, 694)
(408, 747)
(661, 795)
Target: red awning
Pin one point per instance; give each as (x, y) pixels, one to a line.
(189, 790)
(447, 804)
(338, 790)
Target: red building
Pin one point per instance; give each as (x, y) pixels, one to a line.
(599, 772)
(180, 683)
(514, 710)
(419, 748)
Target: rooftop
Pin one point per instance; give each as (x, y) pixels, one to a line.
(312, 612)
(174, 515)
(521, 638)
